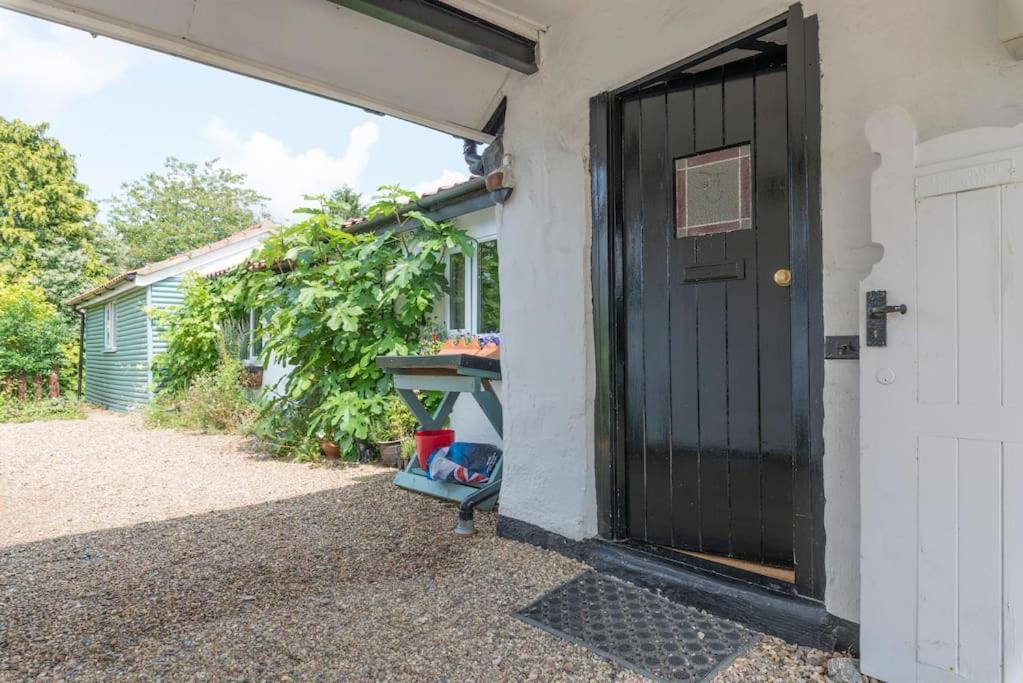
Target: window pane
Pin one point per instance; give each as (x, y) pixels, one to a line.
(109, 326)
(456, 300)
(713, 192)
(257, 337)
(490, 293)
(238, 337)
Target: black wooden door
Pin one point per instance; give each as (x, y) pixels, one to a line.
(708, 382)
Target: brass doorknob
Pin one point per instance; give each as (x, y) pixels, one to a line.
(783, 277)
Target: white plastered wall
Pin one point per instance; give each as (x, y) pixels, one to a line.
(941, 59)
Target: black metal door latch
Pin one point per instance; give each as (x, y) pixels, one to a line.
(878, 311)
(842, 347)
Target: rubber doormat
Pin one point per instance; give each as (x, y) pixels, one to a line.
(638, 629)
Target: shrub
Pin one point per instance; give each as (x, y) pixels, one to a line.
(46, 409)
(334, 302)
(395, 423)
(194, 331)
(282, 427)
(215, 402)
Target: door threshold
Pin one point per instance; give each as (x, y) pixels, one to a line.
(777, 581)
(785, 574)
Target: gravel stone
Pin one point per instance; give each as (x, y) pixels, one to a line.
(844, 670)
(773, 660)
(129, 553)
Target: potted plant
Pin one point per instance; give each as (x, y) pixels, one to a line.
(432, 340)
(408, 451)
(486, 345)
(330, 450)
(390, 453)
(396, 425)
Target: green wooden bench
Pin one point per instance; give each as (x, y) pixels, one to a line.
(453, 375)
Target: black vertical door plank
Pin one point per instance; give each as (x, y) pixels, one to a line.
(619, 340)
(743, 366)
(772, 212)
(798, 229)
(708, 108)
(632, 199)
(813, 565)
(685, 404)
(712, 339)
(655, 174)
(806, 467)
(599, 282)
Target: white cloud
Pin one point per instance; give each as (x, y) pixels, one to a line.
(285, 175)
(447, 177)
(47, 65)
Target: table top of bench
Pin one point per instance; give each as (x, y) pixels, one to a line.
(447, 364)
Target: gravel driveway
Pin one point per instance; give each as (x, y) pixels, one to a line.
(135, 553)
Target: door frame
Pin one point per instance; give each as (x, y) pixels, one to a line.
(807, 320)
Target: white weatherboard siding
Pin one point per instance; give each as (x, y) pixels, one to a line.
(118, 379)
(942, 438)
(123, 380)
(942, 59)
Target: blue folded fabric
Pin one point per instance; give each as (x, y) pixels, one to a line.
(465, 463)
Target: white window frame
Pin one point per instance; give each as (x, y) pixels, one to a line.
(467, 288)
(251, 359)
(110, 327)
(472, 291)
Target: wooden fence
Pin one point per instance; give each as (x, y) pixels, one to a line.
(31, 388)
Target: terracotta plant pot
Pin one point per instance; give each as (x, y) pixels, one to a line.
(330, 450)
(390, 453)
(469, 348)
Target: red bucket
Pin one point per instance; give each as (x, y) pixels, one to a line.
(429, 440)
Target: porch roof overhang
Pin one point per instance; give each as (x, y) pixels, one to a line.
(442, 65)
(444, 204)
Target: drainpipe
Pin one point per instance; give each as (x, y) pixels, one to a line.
(81, 346)
(473, 159)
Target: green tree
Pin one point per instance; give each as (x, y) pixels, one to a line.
(33, 337)
(344, 203)
(65, 269)
(184, 207)
(48, 231)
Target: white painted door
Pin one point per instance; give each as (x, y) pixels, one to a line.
(941, 408)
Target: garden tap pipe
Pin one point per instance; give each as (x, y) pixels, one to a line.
(467, 507)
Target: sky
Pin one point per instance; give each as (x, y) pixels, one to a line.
(121, 110)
